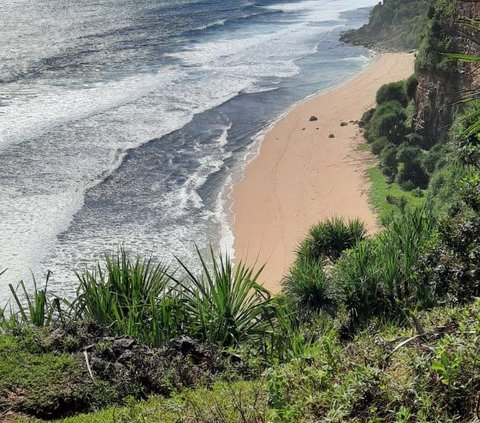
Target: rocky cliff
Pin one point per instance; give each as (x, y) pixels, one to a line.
(443, 83)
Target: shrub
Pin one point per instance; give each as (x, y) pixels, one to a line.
(225, 305)
(452, 266)
(435, 157)
(133, 297)
(377, 277)
(411, 85)
(412, 175)
(388, 161)
(394, 91)
(388, 120)
(308, 288)
(378, 145)
(327, 240)
(356, 277)
(366, 117)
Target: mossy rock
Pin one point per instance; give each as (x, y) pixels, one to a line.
(46, 385)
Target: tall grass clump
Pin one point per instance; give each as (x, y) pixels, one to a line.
(32, 307)
(133, 297)
(308, 288)
(226, 305)
(378, 277)
(327, 240)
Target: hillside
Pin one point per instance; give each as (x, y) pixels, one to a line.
(368, 328)
(394, 25)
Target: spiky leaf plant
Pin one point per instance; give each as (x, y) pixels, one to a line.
(134, 297)
(328, 239)
(32, 307)
(308, 288)
(226, 305)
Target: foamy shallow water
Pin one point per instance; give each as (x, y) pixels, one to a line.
(125, 122)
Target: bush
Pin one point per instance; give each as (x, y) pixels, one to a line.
(388, 161)
(378, 145)
(452, 266)
(308, 288)
(411, 85)
(411, 173)
(133, 297)
(377, 277)
(388, 120)
(225, 305)
(329, 239)
(366, 117)
(394, 91)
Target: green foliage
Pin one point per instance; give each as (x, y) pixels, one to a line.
(389, 199)
(308, 288)
(394, 91)
(411, 85)
(44, 384)
(411, 173)
(393, 24)
(377, 278)
(383, 373)
(450, 267)
(328, 239)
(436, 42)
(467, 136)
(132, 297)
(378, 145)
(389, 121)
(389, 161)
(225, 305)
(33, 308)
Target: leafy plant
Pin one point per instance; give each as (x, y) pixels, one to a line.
(133, 297)
(33, 308)
(225, 305)
(308, 288)
(328, 239)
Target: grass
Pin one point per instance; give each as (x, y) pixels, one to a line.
(225, 305)
(134, 297)
(385, 373)
(44, 384)
(388, 198)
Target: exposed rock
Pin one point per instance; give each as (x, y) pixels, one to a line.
(344, 124)
(442, 85)
(313, 118)
(331, 136)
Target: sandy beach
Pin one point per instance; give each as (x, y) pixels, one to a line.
(301, 175)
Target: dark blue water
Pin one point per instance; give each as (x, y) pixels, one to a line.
(127, 121)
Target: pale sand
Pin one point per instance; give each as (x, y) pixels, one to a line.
(301, 176)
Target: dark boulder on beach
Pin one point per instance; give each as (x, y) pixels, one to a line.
(313, 118)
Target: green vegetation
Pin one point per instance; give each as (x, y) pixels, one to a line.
(393, 24)
(367, 328)
(44, 383)
(389, 198)
(388, 374)
(329, 239)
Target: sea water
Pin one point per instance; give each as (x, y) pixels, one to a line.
(126, 122)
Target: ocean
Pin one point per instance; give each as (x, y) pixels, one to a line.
(126, 122)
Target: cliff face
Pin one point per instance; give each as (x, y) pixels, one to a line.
(444, 83)
(394, 25)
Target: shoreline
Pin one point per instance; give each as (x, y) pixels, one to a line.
(289, 182)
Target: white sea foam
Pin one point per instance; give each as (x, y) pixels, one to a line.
(57, 141)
